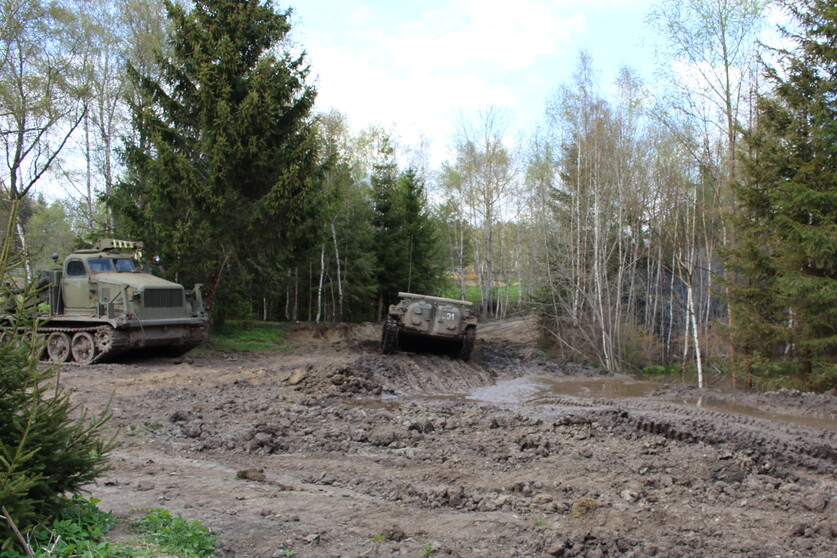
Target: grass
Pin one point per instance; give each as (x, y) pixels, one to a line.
(81, 531)
(249, 337)
(429, 550)
(662, 372)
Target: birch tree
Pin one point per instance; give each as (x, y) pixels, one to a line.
(710, 50)
(41, 98)
(488, 169)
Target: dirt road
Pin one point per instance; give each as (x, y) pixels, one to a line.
(335, 450)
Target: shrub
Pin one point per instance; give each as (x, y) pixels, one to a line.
(77, 530)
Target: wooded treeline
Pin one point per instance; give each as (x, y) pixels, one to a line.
(686, 222)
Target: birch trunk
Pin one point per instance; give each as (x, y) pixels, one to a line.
(320, 288)
(339, 274)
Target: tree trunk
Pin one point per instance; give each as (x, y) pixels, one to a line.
(339, 275)
(696, 339)
(320, 288)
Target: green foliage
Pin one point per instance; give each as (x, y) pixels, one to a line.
(78, 530)
(258, 337)
(389, 238)
(420, 234)
(174, 535)
(662, 371)
(355, 237)
(48, 230)
(406, 242)
(223, 178)
(768, 373)
(786, 300)
(49, 446)
(823, 377)
(428, 550)
(346, 244)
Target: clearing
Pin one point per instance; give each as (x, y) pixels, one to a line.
(333, 449)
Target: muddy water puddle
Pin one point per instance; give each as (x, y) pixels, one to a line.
(534, 388)
(715, 404)
(541, 390)
(583, 391)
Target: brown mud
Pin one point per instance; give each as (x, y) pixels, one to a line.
(334, 450)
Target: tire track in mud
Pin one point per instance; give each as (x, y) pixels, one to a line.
(769, 442)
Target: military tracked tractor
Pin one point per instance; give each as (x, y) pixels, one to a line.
(105, 301)
(430, 319)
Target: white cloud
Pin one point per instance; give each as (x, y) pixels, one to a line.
(419, 66)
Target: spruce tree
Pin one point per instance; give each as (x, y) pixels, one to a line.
(786, 307)
(222, 176)
(423, 275)
(49, 447)
(389, 234)
(406, 241)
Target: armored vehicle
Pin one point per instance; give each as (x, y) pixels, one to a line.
(436, 320)
(105, 301)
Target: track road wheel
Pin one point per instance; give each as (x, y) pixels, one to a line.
(467, 344)
(83, 347)
(389, 337)
(104, 340)
(58, 346)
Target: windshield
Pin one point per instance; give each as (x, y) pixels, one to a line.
(99, 265)
(125, 264)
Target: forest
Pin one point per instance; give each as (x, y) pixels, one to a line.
(684, 226)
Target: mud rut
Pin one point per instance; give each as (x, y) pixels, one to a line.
(336, 450)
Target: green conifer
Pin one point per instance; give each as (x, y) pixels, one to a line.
(223, 176)
(785, 309)
(49, 447)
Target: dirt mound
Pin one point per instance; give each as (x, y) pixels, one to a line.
(333, 449)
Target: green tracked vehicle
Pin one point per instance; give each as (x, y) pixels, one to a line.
(105, 301)
(430, 320)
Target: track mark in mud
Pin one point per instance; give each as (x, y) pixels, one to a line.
(769, 443)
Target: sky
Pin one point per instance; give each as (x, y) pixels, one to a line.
(421, 68)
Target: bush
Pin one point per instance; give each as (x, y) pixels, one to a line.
(824, 377)
(77, 530)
